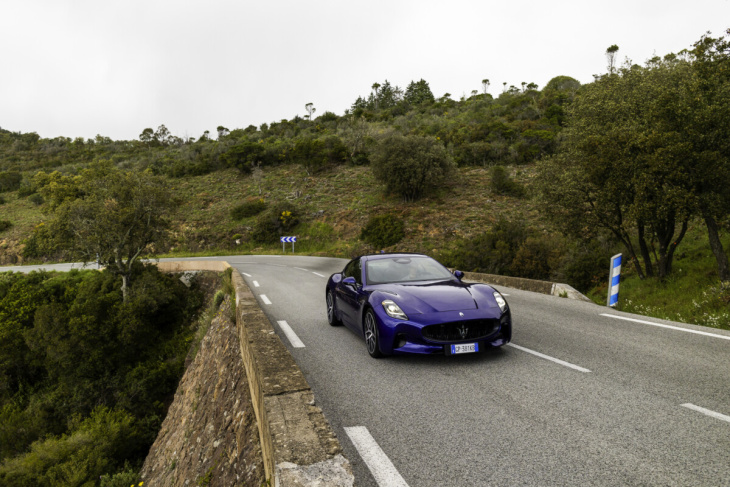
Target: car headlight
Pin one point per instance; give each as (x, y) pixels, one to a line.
(500, 301)
(393, 310)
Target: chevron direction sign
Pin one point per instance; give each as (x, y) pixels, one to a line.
(286, 240)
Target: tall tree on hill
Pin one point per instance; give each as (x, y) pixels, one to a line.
(623, 166)
(706, 124)
(418, 93)
(108, 215)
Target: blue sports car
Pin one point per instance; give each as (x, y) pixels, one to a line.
(410, 303)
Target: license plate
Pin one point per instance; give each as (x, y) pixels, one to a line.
(465, 348)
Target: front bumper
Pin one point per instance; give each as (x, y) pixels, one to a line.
(407, 337)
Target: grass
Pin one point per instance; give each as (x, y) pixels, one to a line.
(692, 293)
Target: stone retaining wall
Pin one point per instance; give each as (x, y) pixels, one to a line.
(298, 445)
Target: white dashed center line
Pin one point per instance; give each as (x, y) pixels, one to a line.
(318, 274)
(707, 412)
(256, 283)
(548, 357)
(293, 338)
(265, 299)
(380, 466)
(713, 335)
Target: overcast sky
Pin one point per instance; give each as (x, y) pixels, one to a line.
(78, 68)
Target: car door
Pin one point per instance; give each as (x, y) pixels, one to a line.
(347, 294)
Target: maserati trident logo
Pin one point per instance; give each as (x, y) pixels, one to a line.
(463, 331)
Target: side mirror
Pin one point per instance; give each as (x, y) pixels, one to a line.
(459, 275)
(349, 281)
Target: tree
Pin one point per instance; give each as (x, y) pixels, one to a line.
(411, 165)
(485, 86)
(418, 93)
(611, 57)
(116, 217)
(310, 110)
(622, 167)
(707, 125)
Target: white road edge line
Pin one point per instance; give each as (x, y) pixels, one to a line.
(256, 284)
(380, 466)
(318, 274)
(713, 335)
(265, 299)
(548, 357)
(293, 338)
(247, 275)
(707, 412)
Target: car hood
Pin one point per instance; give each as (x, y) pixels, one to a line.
(430, 297)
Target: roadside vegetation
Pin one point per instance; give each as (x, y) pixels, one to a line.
(86, 376)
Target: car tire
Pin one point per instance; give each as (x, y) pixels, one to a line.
(331, 311)
(372, 336)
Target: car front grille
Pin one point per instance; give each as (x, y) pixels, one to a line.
(460, 330)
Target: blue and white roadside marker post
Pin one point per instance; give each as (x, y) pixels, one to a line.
(285, 240)
(614, 277)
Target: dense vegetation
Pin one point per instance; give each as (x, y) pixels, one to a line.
(86, 377)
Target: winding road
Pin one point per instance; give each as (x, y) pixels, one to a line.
(585, 395)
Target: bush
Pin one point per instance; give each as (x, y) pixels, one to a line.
(383, 230)
(584, 265)
(411, 165)
(491, 252)
(4, 225)
(26, 188)
(533, 259)
(36, 199)
(10, 181)
(274, 222)
(249, 208)
(502, 183)
(2, 200)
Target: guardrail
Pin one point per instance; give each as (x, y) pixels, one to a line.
(298, 445)
(544, 287)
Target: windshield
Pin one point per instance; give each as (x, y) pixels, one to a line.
(404, 269)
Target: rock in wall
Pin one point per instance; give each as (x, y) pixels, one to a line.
(209, 436)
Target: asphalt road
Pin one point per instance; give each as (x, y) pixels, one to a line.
(580, 399)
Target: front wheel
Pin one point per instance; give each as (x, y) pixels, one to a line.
(372, 336)
(331, 316)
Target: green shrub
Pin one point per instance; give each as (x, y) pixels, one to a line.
(274, 222)
(26, 188)
(383, 230)
(249, 208)
(502, 183)
(533, 259)
(410, 165)
(4, 225)
(218, 298)
(10, 181)
(584, 265)
(36, 199)
(490, 252)
(2, 200)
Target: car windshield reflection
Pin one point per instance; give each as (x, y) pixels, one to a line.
(404, 269)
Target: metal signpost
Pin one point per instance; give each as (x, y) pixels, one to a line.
(285, 240)
(614, 277)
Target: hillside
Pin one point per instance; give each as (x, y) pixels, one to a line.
(537, 183)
